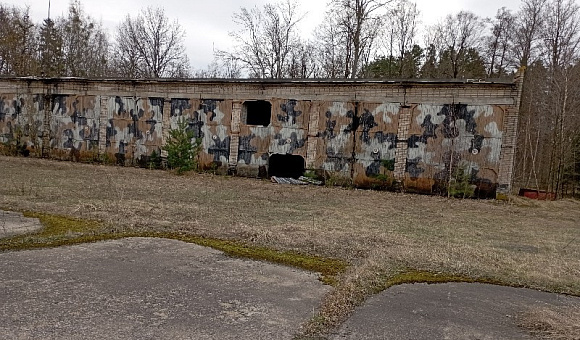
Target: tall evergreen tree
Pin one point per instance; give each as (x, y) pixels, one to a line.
(52, 63)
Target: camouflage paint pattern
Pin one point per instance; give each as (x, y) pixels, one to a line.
(336, 143)
(134, 128)
(286, 133)
(376, 141)
(357, 139)
(21, 121)
(10, 116)
(74, 123)
(444, 138)
(210, 121)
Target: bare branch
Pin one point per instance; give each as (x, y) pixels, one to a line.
(151, 46)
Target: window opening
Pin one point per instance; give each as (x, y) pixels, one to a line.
(258, 112)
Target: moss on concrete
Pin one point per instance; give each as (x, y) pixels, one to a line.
(63, 230)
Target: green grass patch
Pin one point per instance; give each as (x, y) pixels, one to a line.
(57, 224)
(57, 231)
(328, 268)
(63, 230)
(355, 295)
(414, 276)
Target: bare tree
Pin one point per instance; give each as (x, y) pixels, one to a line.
(359, 24)
(229, 68)
(499, 43)
(302, 62)
(281, 32)
(330, 50)
(531, 129)
(533, 137)
(550, 114)
(458, 39)
(526, 32)
(403, 21)
(266, 39)
(18, 41)
(560, 32)
(151, 46)
(84, 43)
(220, 68)
(561, 42)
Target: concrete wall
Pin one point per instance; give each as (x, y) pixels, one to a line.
(411, 133)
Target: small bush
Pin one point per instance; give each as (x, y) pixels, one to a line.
(388, 164)
(459, 184)
(332, 179)
(182, 149)
(312, 174)
(15, 147)
(155, 161)
(106, 159)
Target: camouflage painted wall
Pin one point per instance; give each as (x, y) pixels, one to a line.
(210, 121)
(21, 121)
(285, 134)
(134, 127)
(74, 123)
(417, 134)
(445, 138)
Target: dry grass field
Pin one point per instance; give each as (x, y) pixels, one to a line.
(381, 234)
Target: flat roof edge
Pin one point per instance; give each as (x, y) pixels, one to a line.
(265, 81)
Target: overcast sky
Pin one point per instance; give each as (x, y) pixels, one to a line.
(207, 22)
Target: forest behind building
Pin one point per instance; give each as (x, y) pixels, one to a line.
(356, 39)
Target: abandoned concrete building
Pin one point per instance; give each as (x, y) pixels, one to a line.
(414, 133)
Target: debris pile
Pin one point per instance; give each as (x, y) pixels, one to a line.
(300, 181)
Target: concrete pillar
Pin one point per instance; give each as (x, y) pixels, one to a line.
(46, 128)
(165, 124)
(312, 140)
(405, 116)
(103, 122)
(235, 136)
(509, 140)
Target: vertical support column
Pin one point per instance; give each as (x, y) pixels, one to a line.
(405, 115)
(103, 122)
(46, 129)
(312, 140)
(509, 140)
(235, 137)
(165, 125)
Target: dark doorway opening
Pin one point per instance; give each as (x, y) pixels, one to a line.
(258, 112)
(286, 166)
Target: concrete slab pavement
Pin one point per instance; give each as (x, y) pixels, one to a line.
(447, 311)
(143, 288)
(14, 223)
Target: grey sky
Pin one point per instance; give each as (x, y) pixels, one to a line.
(207, 22)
